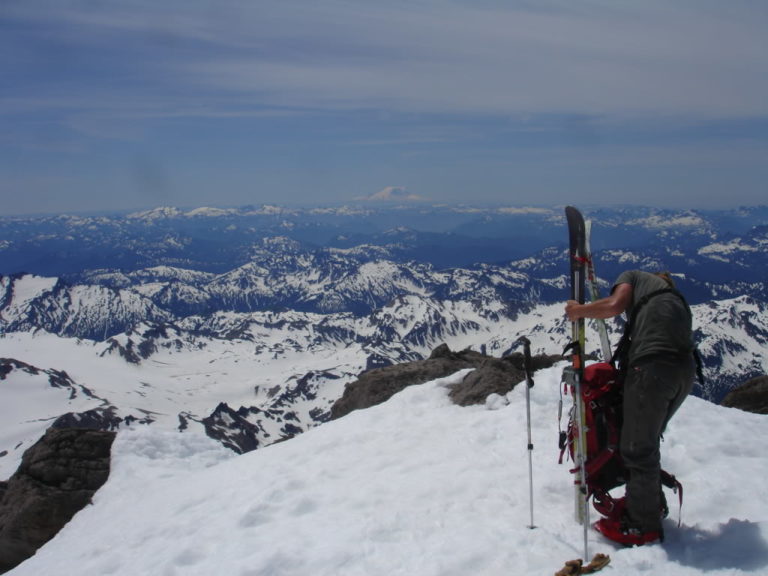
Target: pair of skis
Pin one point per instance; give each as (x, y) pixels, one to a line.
(582, 276)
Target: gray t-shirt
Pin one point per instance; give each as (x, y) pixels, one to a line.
(663, 326)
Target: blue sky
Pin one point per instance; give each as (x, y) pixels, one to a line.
(114, 105)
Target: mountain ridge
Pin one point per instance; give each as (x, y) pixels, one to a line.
(267, 345)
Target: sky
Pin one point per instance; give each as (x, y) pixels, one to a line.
(109, 105)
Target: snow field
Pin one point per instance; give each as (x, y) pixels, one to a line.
(170, 382)
(413, 486)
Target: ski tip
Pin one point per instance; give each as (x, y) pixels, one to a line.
(573, 214)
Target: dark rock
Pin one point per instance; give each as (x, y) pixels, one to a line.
(752, 396)
(233, 429)
(57, 477)
(95, 419)
(442, 351)
(495, 376)
(379, 385)
(7, 365)
(491, 375)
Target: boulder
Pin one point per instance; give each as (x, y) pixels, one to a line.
(490, 375)
(752, 396)
(57, 477)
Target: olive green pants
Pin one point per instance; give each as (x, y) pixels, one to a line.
(653, 391)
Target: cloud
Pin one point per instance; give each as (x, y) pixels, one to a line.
(593, 57)
(459, 58)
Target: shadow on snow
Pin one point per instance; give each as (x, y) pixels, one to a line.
(737, 544)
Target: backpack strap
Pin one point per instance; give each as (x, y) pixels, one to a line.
(622, 348)
(673, 484)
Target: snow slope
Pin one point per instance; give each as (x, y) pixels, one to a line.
(415, 486)
(191, 381)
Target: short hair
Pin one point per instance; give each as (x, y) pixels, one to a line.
(667, 277)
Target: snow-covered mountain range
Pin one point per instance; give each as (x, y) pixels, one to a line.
(247, 323)
(219, 240)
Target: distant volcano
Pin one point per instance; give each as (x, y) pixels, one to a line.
(394, 194)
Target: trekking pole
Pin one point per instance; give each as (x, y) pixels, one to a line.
(529, 384)
(572, 381)
(583, 494)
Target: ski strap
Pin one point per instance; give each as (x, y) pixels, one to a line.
(674, 484)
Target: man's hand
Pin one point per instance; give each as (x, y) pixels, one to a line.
(573, 310)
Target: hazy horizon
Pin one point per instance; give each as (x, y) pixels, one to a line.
(128, 105)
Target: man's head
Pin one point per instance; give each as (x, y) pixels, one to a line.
(667, 277)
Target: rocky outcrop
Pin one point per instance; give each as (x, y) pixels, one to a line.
(233, 429)
(752, 396)
(57, 477)
(490, 375)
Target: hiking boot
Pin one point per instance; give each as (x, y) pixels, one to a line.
(620, 531)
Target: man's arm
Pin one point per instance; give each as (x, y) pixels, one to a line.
(607, 307)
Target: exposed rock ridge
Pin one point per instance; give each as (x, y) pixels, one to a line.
(491, 375)
(752, 396)
(57, 477)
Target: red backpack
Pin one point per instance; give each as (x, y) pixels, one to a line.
(602, 393)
